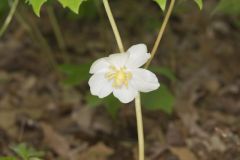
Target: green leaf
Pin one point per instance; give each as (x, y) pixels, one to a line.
(164, 71)
(3, 6)
(76, 74)
(231, 7)
(199, 3)
(161, 3)
(36, 5)
(21, 150)
(160, 99)
(26, 152)
(7, 158)
(93, 101)
(112, 105)
(72, 4)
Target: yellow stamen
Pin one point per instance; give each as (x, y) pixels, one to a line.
(120, 76)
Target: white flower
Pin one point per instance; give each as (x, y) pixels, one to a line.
(120, 73)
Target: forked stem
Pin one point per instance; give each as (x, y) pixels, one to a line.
(137, 99)
(114, 26)
(9, 17)
(153, 52)
(160, 34)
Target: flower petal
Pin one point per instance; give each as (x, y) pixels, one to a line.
(125, 95)
(144, 80)
(118, 59)
(99, 85)
(138, 56)
(99, 65)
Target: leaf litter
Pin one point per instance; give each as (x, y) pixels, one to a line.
(36, 108)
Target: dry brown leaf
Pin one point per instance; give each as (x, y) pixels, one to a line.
(55, 141)
(7, 119)
(183, 153)
(217, 144)
(102, 123)
(174, 135)
(83, 117)
(98, 152)
(90, 122)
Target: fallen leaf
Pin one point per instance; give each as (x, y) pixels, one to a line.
(97, 152)
(102, 124)
(174, 135)
(183, 153)
(217, 144)
(55, 141)
(83, 117)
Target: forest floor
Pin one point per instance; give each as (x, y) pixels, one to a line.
(202, 50)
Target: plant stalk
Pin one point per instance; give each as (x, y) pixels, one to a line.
(160, 34)
(139, 127)
(114, 26)
(56, 28)
(9, 17)
(137, 98)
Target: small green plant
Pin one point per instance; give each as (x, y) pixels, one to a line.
(24, 152)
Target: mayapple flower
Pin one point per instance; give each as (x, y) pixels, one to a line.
(121, 75)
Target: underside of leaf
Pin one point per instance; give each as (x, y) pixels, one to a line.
(162, 4)
(72, 4)
(36, 5)
(199, 3)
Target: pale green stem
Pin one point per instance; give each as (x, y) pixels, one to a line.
(114, 26)
(56, 28)
(58, 33)
(160, 34)
(137, 99)
(9, 17)
(139, 127)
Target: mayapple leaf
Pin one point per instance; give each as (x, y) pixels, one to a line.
(164, 71)
(199, 3)
(3, 6)
(76, 74)
(231, 7)
(36, 5)
(111, 103)
(72, 4)
(161, 99)
(93, 101)
(112, 106)
(162, 4)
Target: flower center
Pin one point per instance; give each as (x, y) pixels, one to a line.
(120, 76)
